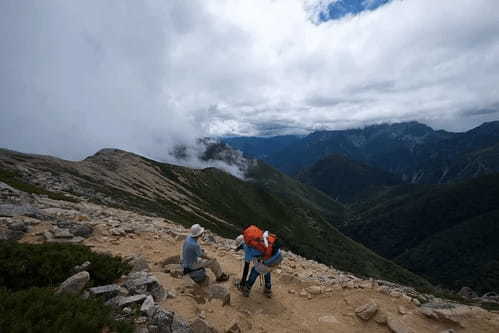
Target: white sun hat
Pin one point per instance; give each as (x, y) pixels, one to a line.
(196, 230)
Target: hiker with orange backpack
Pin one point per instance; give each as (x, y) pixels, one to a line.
(266, 248)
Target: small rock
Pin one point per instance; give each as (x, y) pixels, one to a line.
(62, 233)
(366, 311)
(175, 270)
(126, 311)
(303, 293)
(147, 306)
(467, 292)
(162, 320)
(139, 263)
(11, 210)
(18, 226)
(395, 294)
(350, 285)
(117, 232)
(170, 260)
(201, 326)
(130, 300)
(82, 267)
(179, 325)
(219, 292)
(145, 285)
(380, 318)
(314, 290)
(11, 235)
(105, 292)
(75, 284)
(82, 230)
(292, 291)
(234, 328)
(403, 310)
(397, 326)
(329, 319)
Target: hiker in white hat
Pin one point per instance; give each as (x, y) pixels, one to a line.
(195, 260)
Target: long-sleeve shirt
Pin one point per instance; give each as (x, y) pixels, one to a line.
(191, 251)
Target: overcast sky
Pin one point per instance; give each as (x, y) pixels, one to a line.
(77, 76)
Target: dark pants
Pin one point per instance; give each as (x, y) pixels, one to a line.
(254, 275)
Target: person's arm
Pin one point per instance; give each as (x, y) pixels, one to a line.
(201, 253)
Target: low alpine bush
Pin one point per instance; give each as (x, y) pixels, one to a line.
(40, 310)
(47, 265)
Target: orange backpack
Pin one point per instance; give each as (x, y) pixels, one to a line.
(253, 236)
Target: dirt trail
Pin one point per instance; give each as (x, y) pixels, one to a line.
(329, 312)
(290, 309)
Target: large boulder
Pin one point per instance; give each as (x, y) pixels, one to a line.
(75, 284)
(456, 313)
(366, 311)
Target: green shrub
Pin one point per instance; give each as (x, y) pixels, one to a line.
(40, 310)
(47, 265)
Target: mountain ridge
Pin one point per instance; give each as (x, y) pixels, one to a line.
(210, 196)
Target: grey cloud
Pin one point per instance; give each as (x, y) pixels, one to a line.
(147, 75)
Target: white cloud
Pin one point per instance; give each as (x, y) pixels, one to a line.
(78, 76)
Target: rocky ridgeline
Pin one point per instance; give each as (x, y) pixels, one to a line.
(137, 295)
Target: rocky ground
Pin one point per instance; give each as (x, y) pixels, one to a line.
(308, 296)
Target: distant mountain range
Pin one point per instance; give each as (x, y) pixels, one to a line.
(427, 199)
(415, 152)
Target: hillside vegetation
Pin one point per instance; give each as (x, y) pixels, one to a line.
(447, 233)
(344, 179)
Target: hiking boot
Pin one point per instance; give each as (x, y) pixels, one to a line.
(239, 284)
(267, 292)
(245, 291)
(223, 277)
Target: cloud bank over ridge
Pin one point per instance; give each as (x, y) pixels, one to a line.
(144, 76)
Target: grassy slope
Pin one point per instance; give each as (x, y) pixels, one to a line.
(293, 217)
(299, 214)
